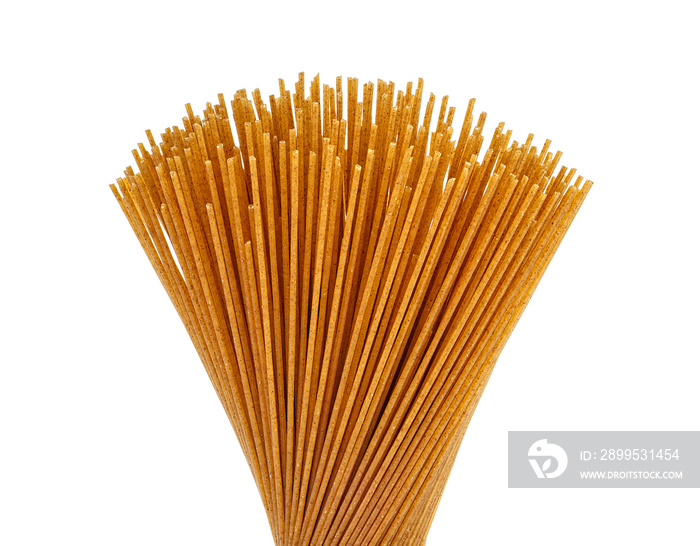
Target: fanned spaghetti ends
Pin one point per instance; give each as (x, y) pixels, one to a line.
(349, 271)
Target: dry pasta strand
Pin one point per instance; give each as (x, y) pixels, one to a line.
(348, 275)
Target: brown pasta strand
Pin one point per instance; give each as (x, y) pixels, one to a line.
(348, 273)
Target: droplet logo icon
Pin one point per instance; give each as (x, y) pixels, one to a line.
(541, 456)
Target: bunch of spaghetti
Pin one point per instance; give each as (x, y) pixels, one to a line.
(348, 285)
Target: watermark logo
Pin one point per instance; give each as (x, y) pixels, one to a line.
(542, 454)
(611, 459)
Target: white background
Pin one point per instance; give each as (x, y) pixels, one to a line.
(110, 433)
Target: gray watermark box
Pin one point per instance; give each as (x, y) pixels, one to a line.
(603, 459)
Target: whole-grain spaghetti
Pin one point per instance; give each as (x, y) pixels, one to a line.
(348, 284)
